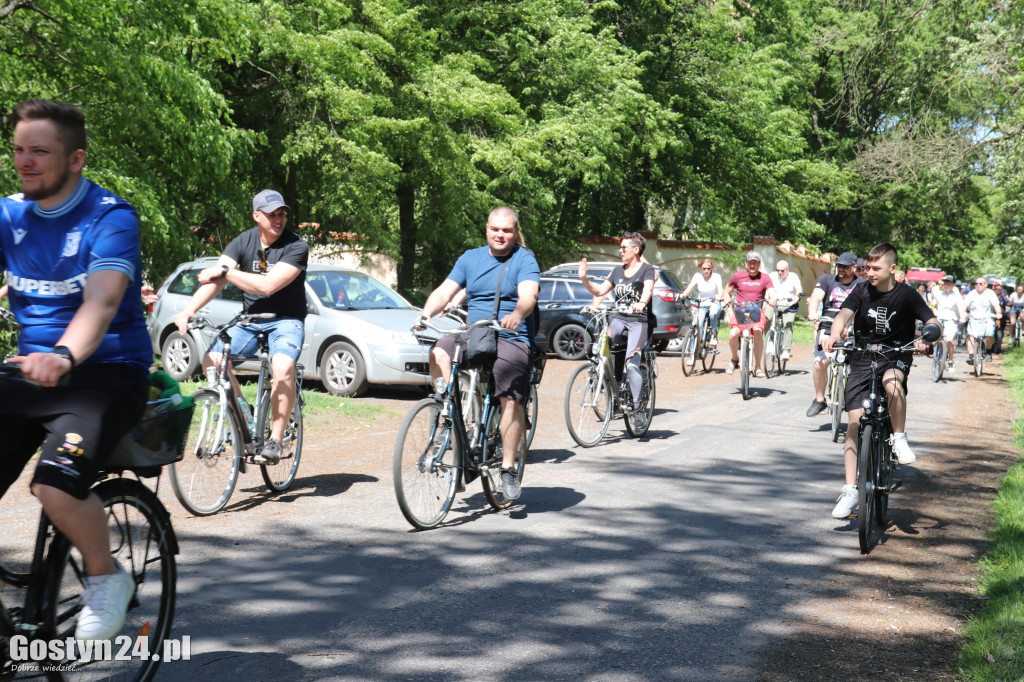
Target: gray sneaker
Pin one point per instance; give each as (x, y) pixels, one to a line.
(816, 408)
(270, 454)
(510, 483)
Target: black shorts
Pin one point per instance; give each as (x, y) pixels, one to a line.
(78, 426)
(858, 383)
(511, 370)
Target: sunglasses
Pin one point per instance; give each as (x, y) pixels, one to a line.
(261, 265)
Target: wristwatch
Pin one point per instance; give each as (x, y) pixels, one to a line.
(64, 352)
(224, 271)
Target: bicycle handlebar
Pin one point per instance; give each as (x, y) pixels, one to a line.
(11, 371)
(200, 322)
(425, 324)
(930, 333)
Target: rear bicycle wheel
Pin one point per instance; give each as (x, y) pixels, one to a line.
(691, 349)
(745, 353)
(885, 469)
(707, 351)
(588, 405)
(425, 465)
(143, 542)
(770, 360)
(280, 476)
(206, 475)
(532, 410)
(866, 485)
(639, 421)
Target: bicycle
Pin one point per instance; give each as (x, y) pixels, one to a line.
(835, 391)
(1018, 329)
(443, 444)
(747, 348)
(961, 335)
(938, 361)
(696, 343)
(142, 540)
(221, 442)
(590, 399)
(876, 466)
(774, 363)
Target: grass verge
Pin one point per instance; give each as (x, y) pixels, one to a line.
(318, 402)
(994, 639)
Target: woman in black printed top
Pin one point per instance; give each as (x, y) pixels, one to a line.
(633, 284)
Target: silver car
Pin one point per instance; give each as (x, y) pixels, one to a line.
(357, 329)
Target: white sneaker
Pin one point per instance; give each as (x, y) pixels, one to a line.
(104, 602)
(901, 449)
(950, 369)
(785, 355)
(846, 505)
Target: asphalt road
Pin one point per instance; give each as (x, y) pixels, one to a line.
(669, 557)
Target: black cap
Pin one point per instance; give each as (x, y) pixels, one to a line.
(846, 259)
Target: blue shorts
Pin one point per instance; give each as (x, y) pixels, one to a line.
(285, 337)
(984, 326)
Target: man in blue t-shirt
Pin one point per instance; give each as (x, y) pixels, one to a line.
(70, 254)
(477, 271)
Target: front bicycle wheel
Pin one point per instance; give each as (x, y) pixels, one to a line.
(638, 421)
(770, 358)
(491, 481)
(1018, 330)
(280, 476)
(834, 401)
(206, 475)
(588, 405)
(866, 486)
(979, 355)
(690, 351)
(745, 353)
(938, 360)
(143, 543)
(425, 467)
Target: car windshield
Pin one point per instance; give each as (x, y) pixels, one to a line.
(352, 291)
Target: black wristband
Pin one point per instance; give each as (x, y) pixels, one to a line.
(64, 352)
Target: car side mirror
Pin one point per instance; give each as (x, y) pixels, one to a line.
(931, 332)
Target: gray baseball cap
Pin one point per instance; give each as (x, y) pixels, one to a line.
(268, 201)
(847, 259)
(949, 278)
(753, 255)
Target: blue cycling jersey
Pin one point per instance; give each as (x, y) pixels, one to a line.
(47, 254)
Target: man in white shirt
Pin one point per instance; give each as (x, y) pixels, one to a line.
(788, 290)
(983, 309)
(949, 309)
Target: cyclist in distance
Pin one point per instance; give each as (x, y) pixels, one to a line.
(788, 287)
(949, 309)
(883, 312)
(633, 284)
(1016, 305)
(477, 271)
(1004, 311)
(70, 250)
(751, 286)
(983, 309)
(268, 263)
(829, 292)
(711, 292)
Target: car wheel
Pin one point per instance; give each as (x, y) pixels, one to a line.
(342, 370)
(570, 342)
(180, 356)
(660, 346)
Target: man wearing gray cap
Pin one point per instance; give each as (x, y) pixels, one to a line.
(830, 291)
(268, 263)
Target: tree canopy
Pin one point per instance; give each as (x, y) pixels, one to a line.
(835, 124)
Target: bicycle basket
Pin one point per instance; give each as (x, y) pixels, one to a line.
(158, 439)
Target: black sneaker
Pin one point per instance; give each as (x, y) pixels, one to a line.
(970, 359)
(816, 408)
(270, 454)
(510, 483)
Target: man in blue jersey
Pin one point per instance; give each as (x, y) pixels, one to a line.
(478, 270)
(70, 254)
(268, 263)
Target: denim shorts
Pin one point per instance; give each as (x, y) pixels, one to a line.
(982, 326)
(285, 337)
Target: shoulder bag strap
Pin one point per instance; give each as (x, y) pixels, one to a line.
(497, 292)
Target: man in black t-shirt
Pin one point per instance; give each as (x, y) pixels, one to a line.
(268, 263)
(884, 312)
(829, 292)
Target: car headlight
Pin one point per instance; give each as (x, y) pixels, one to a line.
(402, 337)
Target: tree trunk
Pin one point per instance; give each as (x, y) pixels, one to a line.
(406, 195)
